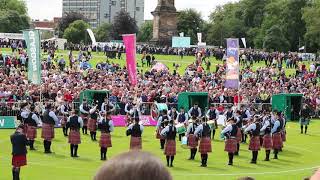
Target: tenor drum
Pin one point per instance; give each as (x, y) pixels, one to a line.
(180, 128)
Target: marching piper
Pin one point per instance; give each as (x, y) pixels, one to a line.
(267, 138)
(84, 110)
(212, 115)
(182, 118)
(162, 123)
(135, 131)
(92, 124)
(32, 121)
(276, 134)
(170, 132)
(19, 151)
(195, 111)
(192, 138)
(74, 122)
(246, 117)
(105, 125)
(305, 118)
(65, 111)
(107, 106)
(238, 121)
(230, 133)
(203, 131)
(48, 122)
(254, 131)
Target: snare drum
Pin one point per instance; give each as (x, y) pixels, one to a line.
(181, 128)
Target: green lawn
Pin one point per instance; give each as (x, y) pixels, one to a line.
(299, 158)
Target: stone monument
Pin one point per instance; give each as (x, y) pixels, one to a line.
(164, 22)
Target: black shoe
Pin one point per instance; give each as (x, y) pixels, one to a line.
(47, 152)
(236, 153)
(76, 156)
(171, 165)
(253, 162)
(275, 158)
(230, 164)
(266, 159)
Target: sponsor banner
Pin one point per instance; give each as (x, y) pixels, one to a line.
(199, 35)
(93, 39)
(181, 42)
(120, 121)
(130, 44)
(32, 38)
(232, 70)
(11, 36)
(8, 122)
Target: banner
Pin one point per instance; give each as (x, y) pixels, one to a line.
(199, 35)
(120, 121)
(181, 42)
(8, 122)
(244, 42)
(130, 44)
(232, 70)
(93, 39)
(32, 38)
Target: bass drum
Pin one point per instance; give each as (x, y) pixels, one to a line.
(157, 108)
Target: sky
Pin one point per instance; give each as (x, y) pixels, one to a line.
(47, 9)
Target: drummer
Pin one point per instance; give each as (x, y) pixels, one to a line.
(173, 114)
(212, 115)
(203, 132)
(163, 121)
(182, 118)
(192, 138)
(195, 111)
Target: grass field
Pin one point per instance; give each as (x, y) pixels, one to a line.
(299, 158)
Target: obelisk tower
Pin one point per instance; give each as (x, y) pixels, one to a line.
(164, 22)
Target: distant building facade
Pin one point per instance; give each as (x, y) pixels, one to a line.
(101, 11)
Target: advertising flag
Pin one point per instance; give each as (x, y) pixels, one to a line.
(32, 38)
(130, 44)
(233, 68)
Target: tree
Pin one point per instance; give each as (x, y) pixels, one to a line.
(311, 16)
(123, 24)
(102, 33)
(67, 19)
(145, 32)
(13, 5)
(76, 32)
(191, 23)
(276, 40)
(13, 22)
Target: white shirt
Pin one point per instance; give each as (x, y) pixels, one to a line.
(265, 125)
(227, 129)
(54, 117)
(275, 126)
(82, 110)
(251, 127)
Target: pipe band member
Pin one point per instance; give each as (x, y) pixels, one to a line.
(203, 132)
(105, 125)
(230, 133)
(170, 132)
(135, 130)
(48, 122)
(19, 151)
(74, 122)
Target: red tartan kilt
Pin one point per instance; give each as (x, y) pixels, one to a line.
(19, 160)
(254, 143)
(63, 122)
(192, 141)
(25, 129)
(205, 145)
(92, 125)
(277, 141)
(85, 119)
(170, 148)
(32, 132)
(158, 134)
(47, 131)
(284, 136)
(74, 137)
(105, 140)
(239, 135)
(267, 142)
(135, 143)
(231, 145)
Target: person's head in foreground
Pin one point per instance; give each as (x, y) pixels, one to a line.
(133, 165)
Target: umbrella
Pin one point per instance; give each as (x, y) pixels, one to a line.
(160, 67)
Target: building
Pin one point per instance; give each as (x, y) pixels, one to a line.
(100, 11)
(45, 24)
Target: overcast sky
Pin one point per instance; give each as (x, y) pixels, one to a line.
(47, 9)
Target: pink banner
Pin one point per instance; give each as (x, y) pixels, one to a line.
(120, 121)
(130, 44)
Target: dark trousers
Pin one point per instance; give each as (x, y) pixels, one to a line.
(204, 159)
(193, 153)
(213, 133)
(85, 130)
(93, 135)
(65, 131)
(170, 159)
(305, 129)
(103, 153)
(74, 150)
(230, 158)
(254, 157)
(47, 146)
(16, 173)
(267, 155)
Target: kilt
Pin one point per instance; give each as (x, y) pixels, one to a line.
(85, 119)
(105, 140)
(277, 141)
(19, 160)
(239, 135)
(205, 145)
(92, 125)
(32, 132)
(267, 142)
(231, 145)
(135, 143)
(25, 129)
(254, 143)
(192, 141)
(63, 122)
(158, 134)
(284, 136)
(170, 148)
(47, 132)
(74, 137)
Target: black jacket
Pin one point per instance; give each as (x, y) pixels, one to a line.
(19, 143)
